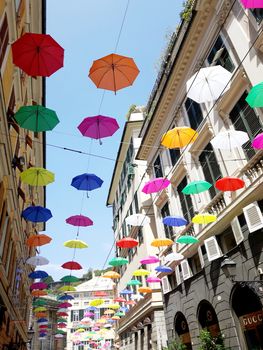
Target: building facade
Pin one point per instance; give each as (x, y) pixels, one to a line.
(19, 149)
(200, 294)
(143, 326)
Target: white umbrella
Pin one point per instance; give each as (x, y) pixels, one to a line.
(208, 83)
(59, 335)
(137, 297)
(107, 325)
(63, 310)
(173, 257)
(37, 260)
(229, 139)
(137, 220)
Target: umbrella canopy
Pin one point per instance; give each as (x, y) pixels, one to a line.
(186, 239)
(65, 314)
(120, 313)
(65, 297)
(208, 84)
(43, 326)
(175, 221)
(163, 269)
(86, 182)
(38, 293)
(196, 187)
(118, 261)
(115, 306)
(173, 257)
(38, 285)
(69, 279)
(119, 300)
(115, 317)
(36, 118)
(179, 137)
(257, 143)
(88, 314)
(37, 260)
(113, 72)
(37, 241)
(41, 314)
(79, 220)
(126, 292)
(75, 243)
(155, 185)
(137, 220)
(252, 4)
(111, 274)
(37, 54)
(255, 96)
(40, 309)
(152, 259)
(98, 127)
(40, 320)
(39, 302)
(38, 274)
(134, 283)
(61, 319)
(71, 265)
(229, 139)
(141, 272)
(36, 214)
(37, 176)
(229, 184)
(204, 218)
(62, 325)
(130, 302)
(161, 242)
(58, 336)
(67, 289)
(127, 242)
(146, 290)
(100, 293)
(153, 279)
(91, 308)
(64, 305)
(96, 302)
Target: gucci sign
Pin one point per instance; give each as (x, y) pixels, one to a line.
(251, 320)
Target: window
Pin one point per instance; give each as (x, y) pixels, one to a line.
(227, 240)
(140, 235)
(194, 113)
(136, 204)
(195, 263)
(167, 229)
(219, 56)
(75, 315)
(158, 167)
(186, 201)
(174, 155)
(4, 38)
(210, 167)
(258, 14)
(245, 119)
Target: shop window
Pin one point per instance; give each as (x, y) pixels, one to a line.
(167, 229)
(4, 38)
(194, 112)
(186, 201)
(158, 167)
(219, 55)
(208, 319)
(182, 330)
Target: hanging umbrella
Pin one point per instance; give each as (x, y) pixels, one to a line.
(75, 243)
(58, 336)
(173, 257)
(61, 319)
(179, 137)
(37, 176)
(41, 314)
(79, 220)
(126, 292)
(40, 320)
(69, 278)
(63, 309)
(39, 302)
(37, 54)
(186, 239)
(111, 274)
(113, 72)
(91, 308)
(67, 289)
(43, 326)
(115, 317)
(38, 293)
(141, 272)
(100, 293)
(134, 283)
(62, 325)
(64, 314)
(40, 309)
(86, 182)
(118, 261)
(64, 305)
(71, 265)
(36, 214)
(37, 241)
(98, 127)
(155, 185)
(229, 184)
(152, 259)
(96, 302)
(137, 220)
(153, 279)
(36, 118)
(196, 187)
(88, 314)
(131, 302)
(38, 285)
(59, 331)
(175, 221)
(37, 260)
(146, 290)
(119, 300)
(204, 218)
(38, 274)
(229, 139)
(252, 4)
(120, 314)
(113, 306)
(208, 84)
(66, 297)
(127, 242)
(162, 242)
(255, 97)
(257, 143)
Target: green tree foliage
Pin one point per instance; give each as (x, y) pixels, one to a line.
(208, 342)
(174, 345)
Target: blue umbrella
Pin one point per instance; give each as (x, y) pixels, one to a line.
(36, 214)
(86, 182)
(175, 221)
(42, 320)
(164, 269)
(126, 292)
(38, 274)
(66, 297)
(91, 308)
(124, 309)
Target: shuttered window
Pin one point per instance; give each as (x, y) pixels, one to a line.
(4, 38)
(158, 167)
(245, 119)
(186, 201)
(167, 229)
(194, 113)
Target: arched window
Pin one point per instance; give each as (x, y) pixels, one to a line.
(207, 318)
(182, 330)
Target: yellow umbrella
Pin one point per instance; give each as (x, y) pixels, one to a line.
(67, 289)
(75, 243)
(204, 218)
(40, 309)
(141, 272)
(147, 290)
(80, 330)
(114, 306)
(111, 274)
(101, 320)
(96, 302)
(109, 312)
(37, 176)
(115, 317)
(179, 137)
(162, 242)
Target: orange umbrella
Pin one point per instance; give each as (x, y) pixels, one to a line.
(111, 274)
(113, 72)
(161, 242)
(38, 240)
(144, 290)
(41, 314)
(38, 293)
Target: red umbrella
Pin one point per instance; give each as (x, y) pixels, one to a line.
(120, 300)
(62, 325)
(43, 326)
(229, 184)
(100, 294)
(127, 242)
(71, 265)
(62, 314)
(37, 54)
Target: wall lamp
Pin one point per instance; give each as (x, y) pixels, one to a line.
(18, 162)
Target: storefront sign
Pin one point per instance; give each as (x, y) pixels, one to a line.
(252, 320)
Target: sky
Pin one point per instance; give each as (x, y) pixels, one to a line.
(88, 30)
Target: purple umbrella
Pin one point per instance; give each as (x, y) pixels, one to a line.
(98, 127)
(252, 4)
(155, 185)
(79, 220)
(88, 314)
(152, 259)
(38, 285)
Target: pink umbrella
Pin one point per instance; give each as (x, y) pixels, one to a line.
(38, 285)
(98, 127)
(152, 259)
(252, 4)
(155, 185)
(258, 141)
(88, 314)
(79, 220)
(153, 279)
(64, 305)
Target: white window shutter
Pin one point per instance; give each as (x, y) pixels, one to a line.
(254, 217)
(239, 237)
(177, 275)
(201, 258)
(166, 285)
(212, 248)
(186, 271)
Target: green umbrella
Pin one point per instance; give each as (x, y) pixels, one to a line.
(187, 240)
(61, 319)
(119, 313)
(134, 283)
(196, 187)
(69, 278)
(39, 302)
(36, 118)
(118, 261)
(59, 331)
(255, 96)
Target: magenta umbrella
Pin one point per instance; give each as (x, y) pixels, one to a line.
(98, 127)
(79, 220)
(152, 259)
(88, 314)
(252, 4)
(155, 185)
(38, 285)
(153, 279)
(64, 305)
(258, 141)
